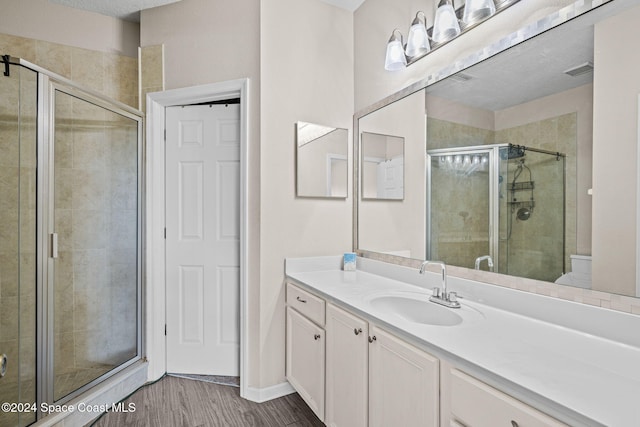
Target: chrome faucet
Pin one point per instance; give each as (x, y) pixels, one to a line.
(482, 258)
(441, 295)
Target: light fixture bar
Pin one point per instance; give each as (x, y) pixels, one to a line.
(500, 5)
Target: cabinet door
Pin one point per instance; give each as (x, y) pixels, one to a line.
(475, 404)
(403, 383)
(305, 360)
(347, 372)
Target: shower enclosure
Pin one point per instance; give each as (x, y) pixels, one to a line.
(70, 239)
(502, 200)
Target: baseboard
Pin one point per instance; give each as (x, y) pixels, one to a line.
(260, 395)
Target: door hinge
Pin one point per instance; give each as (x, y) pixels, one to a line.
(165, 330)
(165, 233)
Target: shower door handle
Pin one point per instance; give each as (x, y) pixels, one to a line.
(3, 365)
(54, 245)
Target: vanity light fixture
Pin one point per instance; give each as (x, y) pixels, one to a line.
(477, 10)
(445, 24)
(448, 23)
(418, 40)
(395, 59)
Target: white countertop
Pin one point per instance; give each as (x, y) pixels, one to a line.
(578, 377)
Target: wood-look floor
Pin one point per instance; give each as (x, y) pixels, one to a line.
(181, 402)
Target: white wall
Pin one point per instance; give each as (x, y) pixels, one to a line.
(43, 20)
(615, 140)
(375, 19)
(306, 75)
(298, 55)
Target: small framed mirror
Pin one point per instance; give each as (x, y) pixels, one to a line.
(382, 166)
(321, 161)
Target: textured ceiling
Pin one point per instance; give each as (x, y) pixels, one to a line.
(525, 72)
(124, 9)
(130, 9)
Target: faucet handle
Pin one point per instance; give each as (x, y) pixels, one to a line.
(452, 297)
(436, 292)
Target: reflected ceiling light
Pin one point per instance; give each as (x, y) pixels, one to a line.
(395, 59)
(418, 40)
(445, 25)
(477, 10)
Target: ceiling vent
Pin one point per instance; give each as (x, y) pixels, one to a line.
(578, 70)
(460, 77)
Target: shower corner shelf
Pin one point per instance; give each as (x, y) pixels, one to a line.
(522, 204)
(522, 186)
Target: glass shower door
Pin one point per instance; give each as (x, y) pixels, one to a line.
(96, 235)
(459, 205)
(18, 112)
(532, 214)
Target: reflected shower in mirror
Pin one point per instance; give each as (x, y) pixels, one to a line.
(321, 161)
(482, 201)
(382, 166)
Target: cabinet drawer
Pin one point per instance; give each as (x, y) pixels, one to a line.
(475, 404)
(306, 303)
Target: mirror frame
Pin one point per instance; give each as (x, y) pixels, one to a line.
(549, 22)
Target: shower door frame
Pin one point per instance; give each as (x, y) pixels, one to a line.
(48, 83)
(494, 208)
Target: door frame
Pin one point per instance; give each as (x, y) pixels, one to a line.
(155, 280)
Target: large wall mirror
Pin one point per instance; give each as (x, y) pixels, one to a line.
(498, 161)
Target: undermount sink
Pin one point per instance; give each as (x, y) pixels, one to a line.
(416, 308)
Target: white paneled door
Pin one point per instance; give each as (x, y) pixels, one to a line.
(203, 239)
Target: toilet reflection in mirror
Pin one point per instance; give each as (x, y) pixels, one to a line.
(321, 161)
(382, 166)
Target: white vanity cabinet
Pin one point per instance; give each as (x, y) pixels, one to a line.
(305, 354)
(403, 383)
(347, 369)
(476, 404)
(375, 378)
(355, 374)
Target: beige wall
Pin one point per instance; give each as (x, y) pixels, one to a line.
(204, 42)
(306, 75)
(55, 23)
(300, 69)
(615, 140)
(375, 19)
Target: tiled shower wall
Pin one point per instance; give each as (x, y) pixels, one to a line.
(110, 74)
(17, 239)
(555, 134)
(95, 217)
